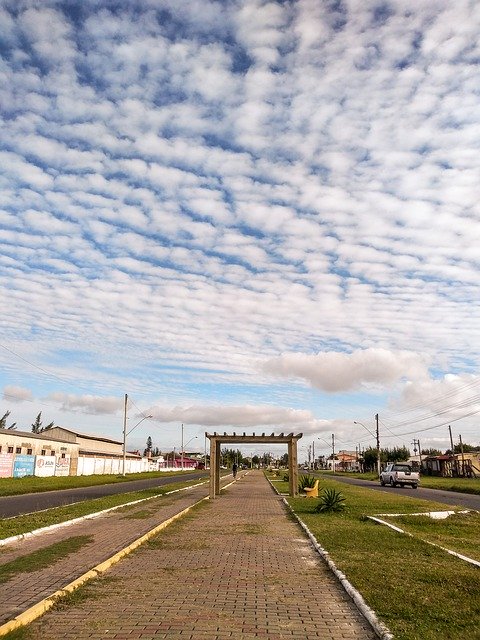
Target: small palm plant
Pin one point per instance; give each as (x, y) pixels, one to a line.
(330, 500)
(306, 481)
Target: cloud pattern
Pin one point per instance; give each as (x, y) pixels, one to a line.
(190, 189)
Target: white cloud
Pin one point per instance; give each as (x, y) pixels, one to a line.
(11, 393)
(336, 372)
(87, 403)
(247, 417)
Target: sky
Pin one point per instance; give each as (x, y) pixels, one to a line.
(247, 216)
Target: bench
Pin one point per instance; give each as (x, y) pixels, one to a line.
(312, 492)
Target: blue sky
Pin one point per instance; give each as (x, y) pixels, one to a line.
(246, 215)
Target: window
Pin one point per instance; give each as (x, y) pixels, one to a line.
(29, 452)
(10, 449)
(0, 448)
(43, 452)
(63, 455)
(52, 452)
(18, 450)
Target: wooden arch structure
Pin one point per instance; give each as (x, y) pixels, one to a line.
(216, 440)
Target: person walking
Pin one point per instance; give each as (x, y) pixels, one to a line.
(234, 470)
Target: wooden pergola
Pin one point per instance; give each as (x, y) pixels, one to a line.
(216, 440)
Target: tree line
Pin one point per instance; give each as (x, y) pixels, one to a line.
(37, 425)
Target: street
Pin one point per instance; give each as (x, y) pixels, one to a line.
(452, 498)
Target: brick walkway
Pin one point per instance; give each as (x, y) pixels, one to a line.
(237, 567)
(109, 534)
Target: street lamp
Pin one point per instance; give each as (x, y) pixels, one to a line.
(184, 445)
(377, 436)
(125, 434)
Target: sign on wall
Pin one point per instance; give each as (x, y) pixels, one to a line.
(44, 466)
(6, 465)
(62, 465)
(23, 466)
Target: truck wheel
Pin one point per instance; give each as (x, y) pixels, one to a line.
(415, 486)
(392, 482)
(382, 483)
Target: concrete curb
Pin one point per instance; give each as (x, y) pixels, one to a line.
(369, 614)
(89, 516)
(44, 605)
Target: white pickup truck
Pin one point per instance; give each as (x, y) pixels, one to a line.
(399, 473)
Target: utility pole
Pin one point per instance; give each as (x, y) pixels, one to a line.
(182, 447)
(416, 443)
(455, 466)
(124, 435)
(463, 457)
(313, 454)
(378, 447)
(333, 453)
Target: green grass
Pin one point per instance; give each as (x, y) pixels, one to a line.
(33, 484)
(462, 485)
(459, 532)
(419, 591)
(43, 557)
(29, 522)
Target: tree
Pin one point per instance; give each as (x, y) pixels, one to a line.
(229, 456)
(3, 422)
(37, 425)
(397, 454)
(467, 448)
(148, 451)
(431, 452)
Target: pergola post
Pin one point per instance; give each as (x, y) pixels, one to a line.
(293, 467)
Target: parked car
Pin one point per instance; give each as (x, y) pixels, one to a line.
(399, 473)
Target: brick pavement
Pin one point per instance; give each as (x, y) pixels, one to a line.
(110, 533)
(237, 566)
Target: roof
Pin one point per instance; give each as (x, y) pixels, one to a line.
(29, 434)
(87, 436)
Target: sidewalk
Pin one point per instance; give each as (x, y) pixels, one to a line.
(236, 567)
(109, 534)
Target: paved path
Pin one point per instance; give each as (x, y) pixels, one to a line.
(236, 567)
(109, 534)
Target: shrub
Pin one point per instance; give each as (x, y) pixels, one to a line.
(330, 500)
(306, 481)
(286, 477)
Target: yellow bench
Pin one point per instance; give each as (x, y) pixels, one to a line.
(312, 492)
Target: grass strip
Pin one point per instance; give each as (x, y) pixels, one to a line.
(418, 591)
(43, 557)
(459, 532)
(30, 522)
(460, 485)
(34, 484)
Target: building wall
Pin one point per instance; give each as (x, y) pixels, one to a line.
(25, 443)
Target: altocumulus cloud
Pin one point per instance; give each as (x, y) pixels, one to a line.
(189, 188)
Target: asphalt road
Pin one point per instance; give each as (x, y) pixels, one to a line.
(453, 498)
(30, 502)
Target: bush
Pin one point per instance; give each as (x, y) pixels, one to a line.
(306, 481)
(286, 477)
(330, 500)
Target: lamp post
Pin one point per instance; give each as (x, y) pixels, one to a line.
(377, 437)
(125, 434)
(183, 446)
(333, 450)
